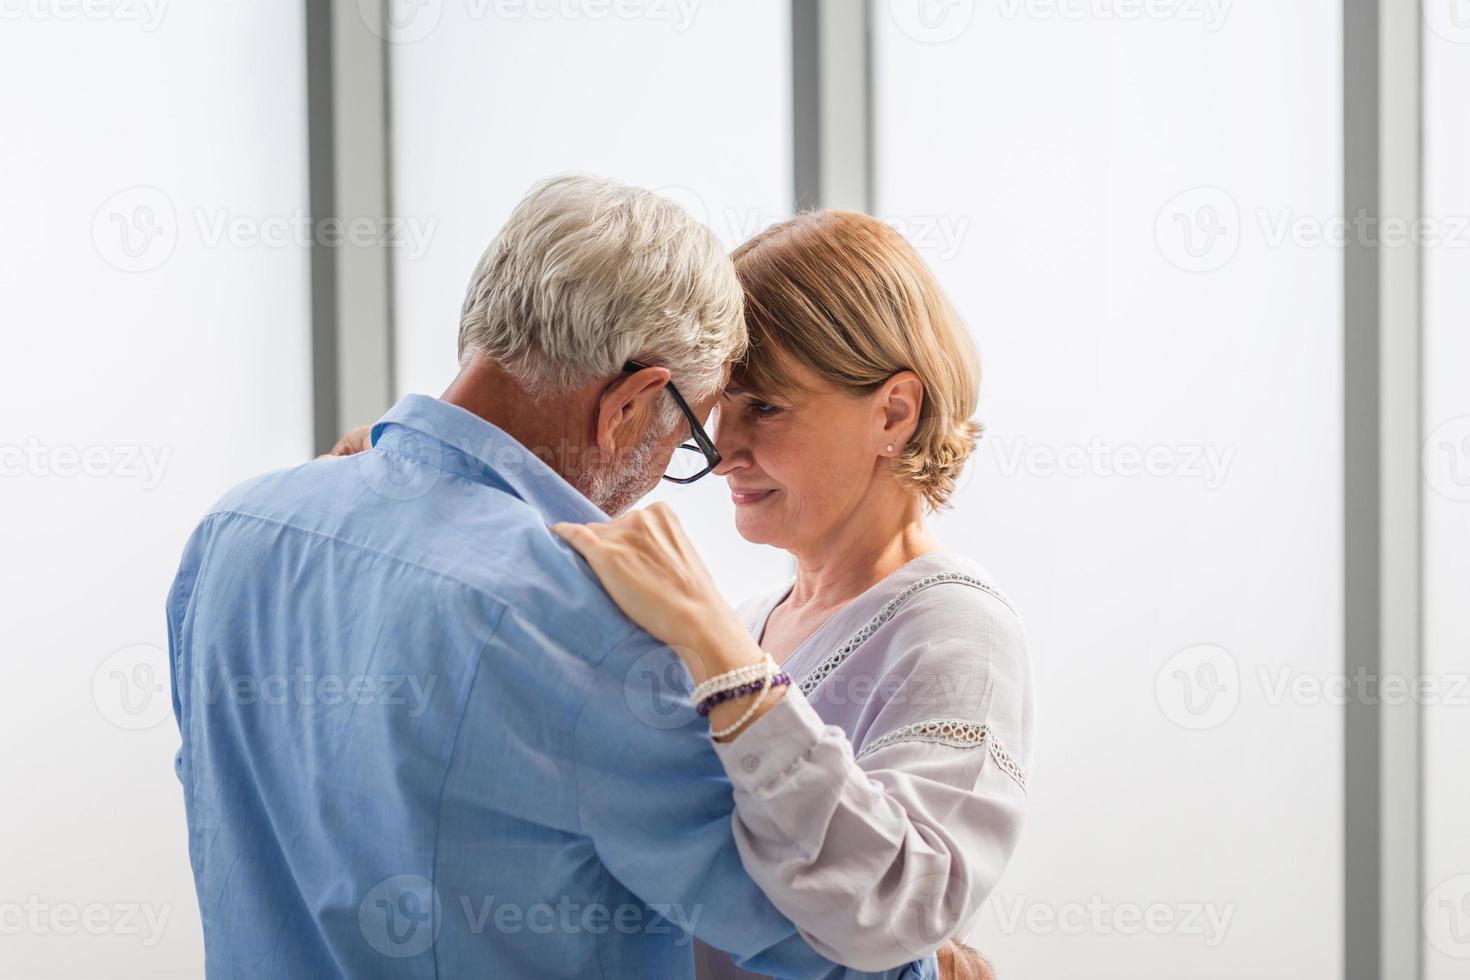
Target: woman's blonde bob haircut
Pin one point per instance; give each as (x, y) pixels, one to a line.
(842, 294)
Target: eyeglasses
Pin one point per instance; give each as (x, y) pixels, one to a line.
(691, 460)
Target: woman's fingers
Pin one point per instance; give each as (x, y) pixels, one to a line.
(585, 539)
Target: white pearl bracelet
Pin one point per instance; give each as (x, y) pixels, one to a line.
(733, 679)
(770, 671)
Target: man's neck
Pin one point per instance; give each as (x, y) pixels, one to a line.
(558, 430)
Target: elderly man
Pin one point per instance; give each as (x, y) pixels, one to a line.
(418, 739)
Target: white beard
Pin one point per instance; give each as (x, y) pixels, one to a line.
(616, 489)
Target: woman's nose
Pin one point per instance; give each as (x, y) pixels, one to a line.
(728, 443)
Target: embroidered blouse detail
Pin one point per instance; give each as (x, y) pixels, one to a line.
(821, 670)
(956, 732)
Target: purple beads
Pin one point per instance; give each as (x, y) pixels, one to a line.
(719, 697)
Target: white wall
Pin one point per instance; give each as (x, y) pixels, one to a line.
(176, 345)
(1446, 462)
(1049, 165)
(692, 99)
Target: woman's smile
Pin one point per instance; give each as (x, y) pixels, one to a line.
(745, 498)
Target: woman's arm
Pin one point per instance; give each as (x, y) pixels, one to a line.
(876, 861)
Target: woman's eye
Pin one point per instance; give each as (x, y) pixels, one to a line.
(763, 409)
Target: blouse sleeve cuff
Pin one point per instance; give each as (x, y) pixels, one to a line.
(772, 744)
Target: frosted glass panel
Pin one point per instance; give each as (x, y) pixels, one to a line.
(154, 344)
(1122, 200)
(1446, 461)
(690, 99)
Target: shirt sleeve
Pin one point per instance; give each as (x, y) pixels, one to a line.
(655, 802)
(175, 608)
(893, 851)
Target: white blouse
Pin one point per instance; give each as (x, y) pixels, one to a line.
(878, 802)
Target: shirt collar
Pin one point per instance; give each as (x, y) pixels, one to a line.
(448, 437)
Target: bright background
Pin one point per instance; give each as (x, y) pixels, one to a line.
(1120, 207)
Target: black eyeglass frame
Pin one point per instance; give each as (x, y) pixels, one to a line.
(702, 442)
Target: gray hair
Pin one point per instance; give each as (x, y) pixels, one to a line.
(589, 273)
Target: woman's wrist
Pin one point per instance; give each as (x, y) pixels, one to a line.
(720, 646)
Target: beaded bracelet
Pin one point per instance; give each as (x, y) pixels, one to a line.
(720, 697)
(740, 722)
(733, 678)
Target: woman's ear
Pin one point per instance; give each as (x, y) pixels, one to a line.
(901, 399)
(626, 405)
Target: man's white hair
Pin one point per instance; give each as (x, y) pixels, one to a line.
(589, 273)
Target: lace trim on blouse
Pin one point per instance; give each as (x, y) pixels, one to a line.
(821, 670)
(956, 732)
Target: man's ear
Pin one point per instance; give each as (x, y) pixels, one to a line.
(625, 407)
(900, 401)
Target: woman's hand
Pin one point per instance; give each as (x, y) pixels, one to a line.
(649, 567)
(960, 962)
(352, 442)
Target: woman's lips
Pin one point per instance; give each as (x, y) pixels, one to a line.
(743, 497)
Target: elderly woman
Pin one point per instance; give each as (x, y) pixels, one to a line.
(879, 793)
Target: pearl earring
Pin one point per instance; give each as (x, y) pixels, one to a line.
(889, 447)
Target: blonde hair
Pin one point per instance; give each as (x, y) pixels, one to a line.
(588, 273)
(842, 294)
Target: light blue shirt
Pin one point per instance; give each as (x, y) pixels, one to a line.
(419, 740)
